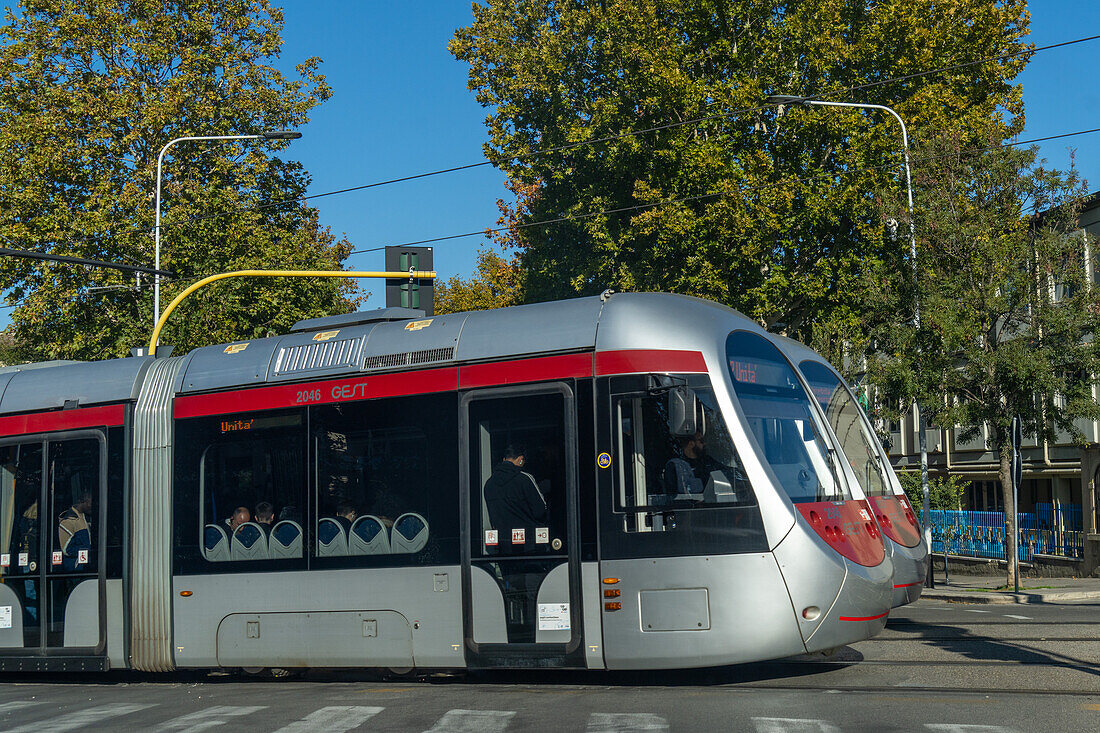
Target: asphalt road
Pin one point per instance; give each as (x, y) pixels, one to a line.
(936, 667)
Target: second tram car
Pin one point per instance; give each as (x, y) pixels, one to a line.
(332, 498)
(870, 467)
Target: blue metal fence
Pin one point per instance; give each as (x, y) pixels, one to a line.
(1049, 530)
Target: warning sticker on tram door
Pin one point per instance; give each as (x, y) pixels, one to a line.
(518, 536)
(542, 535)
(5, 617)
(57, 557)
(553, 617)
(5, 560)
(81, 557)
(492, 538)
(24, 558)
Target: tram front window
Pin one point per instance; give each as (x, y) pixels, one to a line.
(845, 417)
(781, 418)
(675, 453)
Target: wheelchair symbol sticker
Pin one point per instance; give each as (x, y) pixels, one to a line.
(603, 460)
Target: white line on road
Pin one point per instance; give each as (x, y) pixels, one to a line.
(793, 725)
(10, 707)
(333, 719)
(625, 722)
(206, 718)
(966, 728)
(974, 610)
(1012, 615)
(81, 718)
(472, 721)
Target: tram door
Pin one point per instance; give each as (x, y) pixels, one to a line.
(520, 564)
(50, 498)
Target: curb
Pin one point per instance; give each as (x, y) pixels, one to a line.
(953, 596)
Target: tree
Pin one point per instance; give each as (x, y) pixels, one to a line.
(780, 217)
(944, 492)
(90, 90)
(498, 283)
(1008, 316)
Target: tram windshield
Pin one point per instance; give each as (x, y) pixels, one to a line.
(780, 415)
(844, 415)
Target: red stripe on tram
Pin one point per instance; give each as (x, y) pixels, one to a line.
(863, 618)
(539, 369)
(49, 422)
(629, 361)
(425, 381)
(909, 585)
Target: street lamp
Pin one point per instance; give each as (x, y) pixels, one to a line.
(922, 439)
(273, 135)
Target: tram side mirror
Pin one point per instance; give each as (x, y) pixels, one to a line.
(682, 411)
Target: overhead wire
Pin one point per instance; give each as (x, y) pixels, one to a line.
(604, 139)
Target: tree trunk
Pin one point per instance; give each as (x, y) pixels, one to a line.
(1005, 474)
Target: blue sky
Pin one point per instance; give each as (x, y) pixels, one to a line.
(400, 106)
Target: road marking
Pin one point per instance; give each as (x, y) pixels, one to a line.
(1012, 615)
(625, 722)
(966, 728)
(80, 718)
(10, 707)
(974, 610)
(1091, 707)
(333, 719)
(472, 721)
(793, 725)
(206, 718)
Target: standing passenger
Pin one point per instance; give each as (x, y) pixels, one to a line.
(513, 499)
(74, 532)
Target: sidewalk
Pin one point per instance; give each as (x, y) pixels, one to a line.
(986, 589)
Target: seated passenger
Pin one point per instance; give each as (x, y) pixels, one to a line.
(346, 514)
(291, 513)
(240, 516)
(265, 516)
(74, 533)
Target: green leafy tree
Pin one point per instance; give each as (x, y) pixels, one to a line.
(90, 90)
(778, 216)
(1008, 316)
(944, 492)
(498, 283)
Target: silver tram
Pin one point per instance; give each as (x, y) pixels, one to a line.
(318, 499)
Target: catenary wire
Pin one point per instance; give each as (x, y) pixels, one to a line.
(609, 138)
(637, 207)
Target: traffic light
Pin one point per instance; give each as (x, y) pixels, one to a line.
(406, 293)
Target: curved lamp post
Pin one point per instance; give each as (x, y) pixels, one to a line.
(274, 135)
(922, 439)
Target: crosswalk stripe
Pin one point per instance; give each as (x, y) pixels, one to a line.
(472, 721)
(333, 719)
(81, 718)
(206, 718)
(625, 722)
(10, 707)
(1022, 618)
(793, 725)
(967, 728)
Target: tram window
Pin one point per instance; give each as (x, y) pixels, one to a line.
(243, 474)
(847, 420)
(74, 488)
(663, 466)
(113, 529)
(386, 481)
(782, 420)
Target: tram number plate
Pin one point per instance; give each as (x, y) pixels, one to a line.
(308, 395)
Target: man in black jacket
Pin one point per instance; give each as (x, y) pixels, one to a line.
(515, 504)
